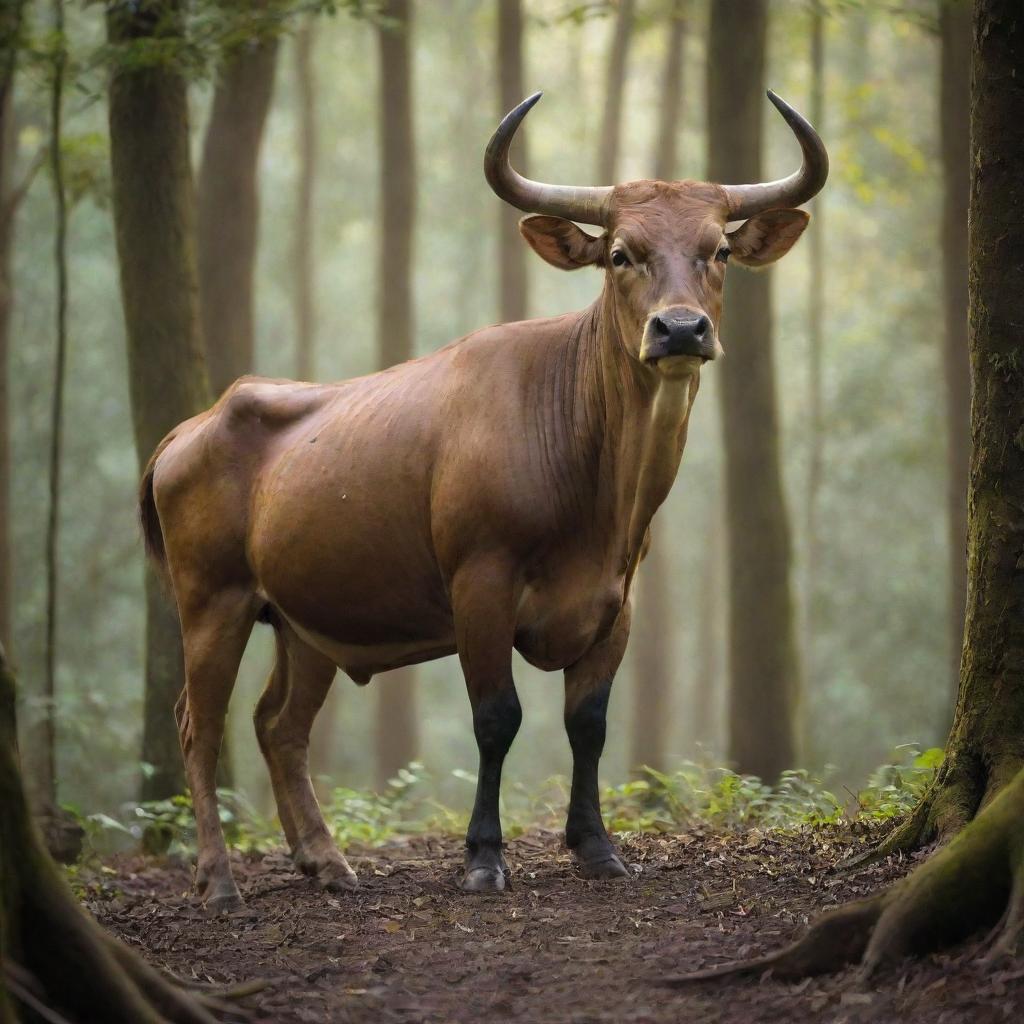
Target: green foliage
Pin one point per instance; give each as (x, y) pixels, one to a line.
(894, 789)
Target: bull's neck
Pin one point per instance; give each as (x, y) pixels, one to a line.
(633, 424)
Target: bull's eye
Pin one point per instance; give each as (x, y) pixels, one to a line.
(722, 256)
(619, 258)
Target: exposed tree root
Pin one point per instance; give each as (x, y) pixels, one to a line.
(58, 964)
(974, 882)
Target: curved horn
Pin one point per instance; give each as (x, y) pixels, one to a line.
(588, 205)
(746, 200)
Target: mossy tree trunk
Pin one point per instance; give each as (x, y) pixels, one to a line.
(228, 197)
(986, 743)
(51, 953)
(154, 218)
(976, 880)
(397, 737)
(954, 106)
(764, 681)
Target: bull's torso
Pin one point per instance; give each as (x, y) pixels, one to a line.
(362, 500)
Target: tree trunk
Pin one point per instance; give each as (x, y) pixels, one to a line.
(763, 669)
(513, 290)
(955, 84)
(228, 219)
(303, 262)
(986, 744)
(153, 204)
(653, 627)
(978, 879)
(46, 778)
(52, 954)
(670, 111)
(614, 88)
(10, 22)
(815, 347)
(708, 684)
(396, 732)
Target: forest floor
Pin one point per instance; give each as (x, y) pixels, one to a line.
(409, 946)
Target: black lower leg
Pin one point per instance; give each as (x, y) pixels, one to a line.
(496, 721)
(585, 833)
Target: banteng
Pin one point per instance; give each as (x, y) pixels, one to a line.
(496, 494)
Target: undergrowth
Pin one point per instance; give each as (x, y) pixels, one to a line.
(653, 801)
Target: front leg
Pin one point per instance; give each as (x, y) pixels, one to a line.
(588, 685)
(482, 603)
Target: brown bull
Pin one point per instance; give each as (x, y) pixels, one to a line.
(494, 495)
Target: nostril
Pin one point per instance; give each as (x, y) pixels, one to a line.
(701, 327)
(660, 327)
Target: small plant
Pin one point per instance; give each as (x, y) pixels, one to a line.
(894, 789)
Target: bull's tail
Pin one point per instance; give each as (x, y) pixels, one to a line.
(152, 534)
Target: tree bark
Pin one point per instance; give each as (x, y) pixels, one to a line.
(954, 86)
(614, 88)
(708, 685)
(228, 221)
(10, 25)
(46, 778)
(815, 347)
(653, 627)
(396, 726)
(977, 880)
(513, 282)
(303, 262)
(985, 748)
(51, 953)
(670, 110)
(763, 667)
(154, 208)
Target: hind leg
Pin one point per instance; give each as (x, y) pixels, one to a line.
(284, 717)
(215, 629)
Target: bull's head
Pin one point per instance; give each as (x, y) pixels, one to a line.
(665, 245)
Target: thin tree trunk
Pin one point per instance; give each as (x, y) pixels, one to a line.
(708, 685)
(653, 625)
(614, 88)
(815, 347)
(303, 262)
(954, 106)
(396, 726)
(670, 112)
(10, 23)
(763, 666)
(228, 222)
(46, 777)
(513, 285)
(986, 743)
(154, 209)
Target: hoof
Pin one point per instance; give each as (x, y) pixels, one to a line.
(224, 903)
(332, 871)
(483, 880)
(607, 867)
(338, 878)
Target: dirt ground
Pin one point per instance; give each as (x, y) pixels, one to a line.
(410, 947)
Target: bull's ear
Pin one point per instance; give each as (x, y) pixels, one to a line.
(561, 242)
(767, 236)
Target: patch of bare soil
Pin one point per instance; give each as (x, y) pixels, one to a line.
(410, 947)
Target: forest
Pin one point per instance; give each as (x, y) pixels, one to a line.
(243, 467)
